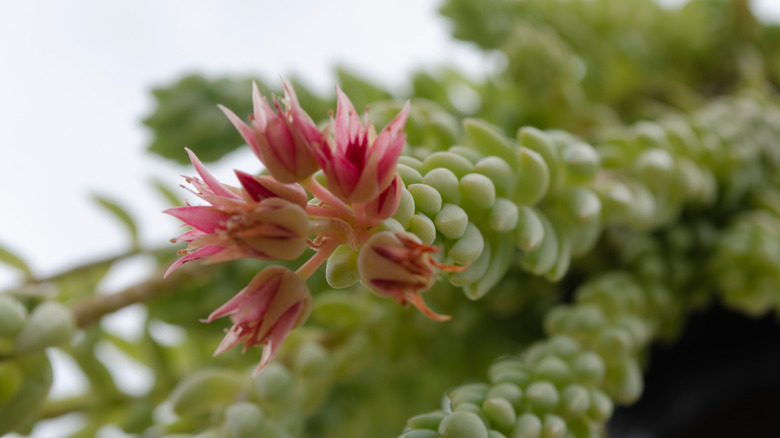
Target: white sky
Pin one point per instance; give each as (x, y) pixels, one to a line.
(74, 86)
(75, 80)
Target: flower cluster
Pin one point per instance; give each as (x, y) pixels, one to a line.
(276, 216)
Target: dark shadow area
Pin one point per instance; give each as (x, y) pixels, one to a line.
(720, 379)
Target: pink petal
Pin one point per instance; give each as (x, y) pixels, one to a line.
(301, 119)
(229, 308)
(189, 236)
(386, 204)
(203, 218)
(262, 109)
(206, 251)
(247, 133)
(212, 182)
(281, 144)
(257, 302)
(348, 125)
(229, 341)
(253, 188)
(279, 333)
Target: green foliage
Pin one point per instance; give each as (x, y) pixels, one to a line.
(13, 260)
(623, 157)
(122, 214)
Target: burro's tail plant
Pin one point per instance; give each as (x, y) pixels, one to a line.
(399, 218)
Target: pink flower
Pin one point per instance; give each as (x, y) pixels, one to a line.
(397, 266)
(274, 303)
(386, 204)
(264, 219)
(283, 140)
(358, 164)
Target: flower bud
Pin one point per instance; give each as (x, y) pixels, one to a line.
(283, 141)
(274, 303)
(266, 220)
(397, 266)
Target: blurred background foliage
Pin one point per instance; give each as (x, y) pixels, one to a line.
(362, 366)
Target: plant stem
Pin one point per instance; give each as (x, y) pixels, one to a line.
(317, 259)
(90, 310)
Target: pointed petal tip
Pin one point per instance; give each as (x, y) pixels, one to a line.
(269, 352)
(172, 268)
(418, 302)
(247, 133)
(287, 85)
(228, 342)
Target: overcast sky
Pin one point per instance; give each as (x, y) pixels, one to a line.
(75, 84)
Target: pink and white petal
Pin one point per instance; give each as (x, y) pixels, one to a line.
(229, 341)
(212, 182)
(235, 253)
(256, 303)
(279, 333)
(348, 127)
(229, 308)
(246, 131)
(189, 236)
(262, 109)
(301, 119)
(396, 126)
(203, 218)
(206, 251)
(252, 187)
